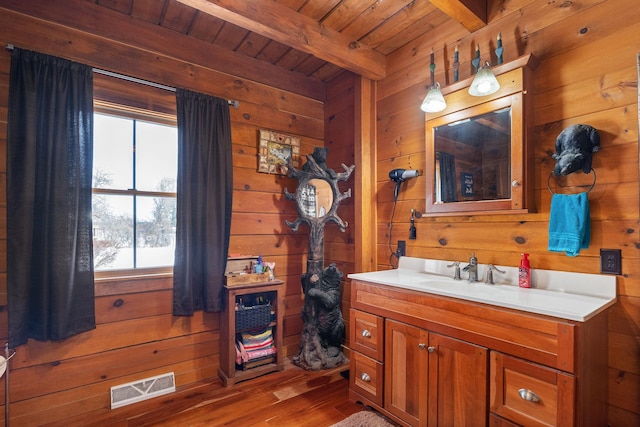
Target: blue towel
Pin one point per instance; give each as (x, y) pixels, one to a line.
(569, 223)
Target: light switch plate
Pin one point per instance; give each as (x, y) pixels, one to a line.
(610, 261)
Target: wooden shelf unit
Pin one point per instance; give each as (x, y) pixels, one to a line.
(228, 371)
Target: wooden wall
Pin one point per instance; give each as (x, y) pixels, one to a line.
(588, 74)
(339, 139)
(137, 337)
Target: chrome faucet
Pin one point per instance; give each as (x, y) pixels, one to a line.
(472, 268)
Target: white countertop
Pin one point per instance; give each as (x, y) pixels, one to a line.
(572, 296)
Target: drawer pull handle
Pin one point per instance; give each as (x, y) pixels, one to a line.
(366, 333)
(365, 377)
(528, 395)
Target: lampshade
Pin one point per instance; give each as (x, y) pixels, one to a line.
(434, 101)
(3, 365)
(485, 82)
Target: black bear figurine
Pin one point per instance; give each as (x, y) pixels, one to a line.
(330, 322)
(320, 157)
(574, 148)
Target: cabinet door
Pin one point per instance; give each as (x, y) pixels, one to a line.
(405, 392)
(457, 382)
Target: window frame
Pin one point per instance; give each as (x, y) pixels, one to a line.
(138, 114)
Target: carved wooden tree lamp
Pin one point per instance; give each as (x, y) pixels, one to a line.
(317, 198)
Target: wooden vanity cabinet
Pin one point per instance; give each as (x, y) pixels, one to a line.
(450, 362)
(434, 380)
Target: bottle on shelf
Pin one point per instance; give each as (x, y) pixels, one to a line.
(259, 266)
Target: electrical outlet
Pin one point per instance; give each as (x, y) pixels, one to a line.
(402, 248)
(611, 261)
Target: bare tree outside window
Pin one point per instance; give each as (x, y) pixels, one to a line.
(134, 196)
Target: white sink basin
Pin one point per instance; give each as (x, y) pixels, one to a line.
(573, 296)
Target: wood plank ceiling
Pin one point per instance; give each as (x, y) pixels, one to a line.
(316, 38)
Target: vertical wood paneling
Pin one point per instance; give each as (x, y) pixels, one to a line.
(588, 74)
(340, 247)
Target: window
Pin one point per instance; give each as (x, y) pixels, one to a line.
(134, 191)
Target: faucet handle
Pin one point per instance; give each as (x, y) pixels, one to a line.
(490, 269)
(456, 273)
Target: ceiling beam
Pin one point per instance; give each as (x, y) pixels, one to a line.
(108, 23)
(284, 25)
(472, 14)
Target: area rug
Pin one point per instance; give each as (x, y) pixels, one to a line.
(364, 419)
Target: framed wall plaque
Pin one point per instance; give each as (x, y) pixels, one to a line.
(275, 150)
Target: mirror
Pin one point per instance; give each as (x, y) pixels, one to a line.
(315, 198)
(472, 158)
(477, 155)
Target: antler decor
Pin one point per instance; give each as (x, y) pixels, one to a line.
(317, 198)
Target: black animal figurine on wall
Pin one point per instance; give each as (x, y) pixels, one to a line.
(574, 148)
(320, 157)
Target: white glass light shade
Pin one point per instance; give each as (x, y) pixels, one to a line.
(434, 101)
(485, 82)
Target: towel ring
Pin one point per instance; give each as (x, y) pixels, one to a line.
(593, 184)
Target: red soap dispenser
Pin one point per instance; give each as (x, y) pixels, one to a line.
(524, 272)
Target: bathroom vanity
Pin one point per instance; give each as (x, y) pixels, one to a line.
(428, 350)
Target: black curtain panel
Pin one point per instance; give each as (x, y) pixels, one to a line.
(205, 191)
(49, 168)
(448, 188)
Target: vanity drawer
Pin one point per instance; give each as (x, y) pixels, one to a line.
(367, 377)
(530, 394)
(367, 334)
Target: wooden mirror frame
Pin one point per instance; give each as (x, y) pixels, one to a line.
(515, 79)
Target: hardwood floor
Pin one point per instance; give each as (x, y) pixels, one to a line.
(292, 398)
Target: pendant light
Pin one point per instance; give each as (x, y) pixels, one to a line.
(485, 82)
(434, 101)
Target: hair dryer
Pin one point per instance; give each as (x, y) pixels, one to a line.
(399, 176)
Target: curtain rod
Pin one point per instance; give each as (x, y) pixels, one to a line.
(234, 103)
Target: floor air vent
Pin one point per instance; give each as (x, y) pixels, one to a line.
(137, 391)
